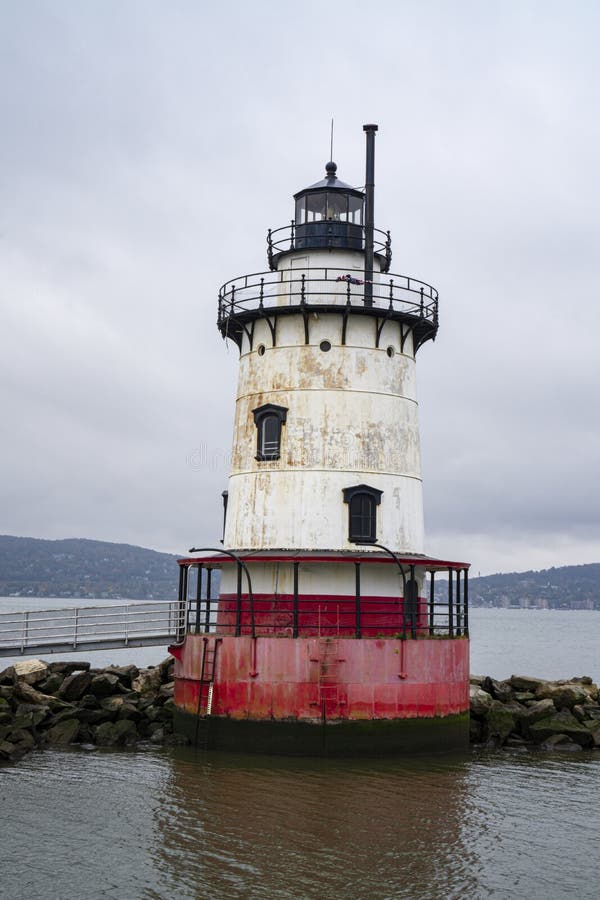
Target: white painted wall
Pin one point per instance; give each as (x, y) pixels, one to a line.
(352, 419)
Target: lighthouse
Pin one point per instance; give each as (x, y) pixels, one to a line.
(331, 632)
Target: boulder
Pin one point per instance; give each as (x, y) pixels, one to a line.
(524, 696)
(30, 715)
(593, 727)
(7, 749)
(500, 690)
(75, 685)
(477, 680)
(480, 701)
(147, 682)
(95, 716)
(65, 714)
(541, 709)
(563, 722)
(166, 668)
(7, 676)
(525, 683)
(24, 691)
(112, 734)
(67, 668)
(125, 674)
(168, 689)
(88, 701)
(104, 685)
(30, 671)
(22, 738)
(112, 704)
(129, 711)
(63, 733)
(52, 684)
(565, 695)
(560, 742)
(499, 723)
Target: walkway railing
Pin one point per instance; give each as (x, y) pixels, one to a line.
(326, 287)
(91, 628)
(285, 240)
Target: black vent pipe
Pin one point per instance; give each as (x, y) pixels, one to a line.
(369, 211)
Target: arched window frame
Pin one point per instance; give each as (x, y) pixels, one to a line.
(268, 451)
(354, 497)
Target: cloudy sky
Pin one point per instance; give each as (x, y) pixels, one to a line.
(145, 149)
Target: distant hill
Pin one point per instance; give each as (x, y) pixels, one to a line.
(76, 567)
(566, 587)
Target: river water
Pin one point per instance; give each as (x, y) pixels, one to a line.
(177, 823)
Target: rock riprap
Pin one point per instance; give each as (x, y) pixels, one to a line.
(524, 712)
(53, 704)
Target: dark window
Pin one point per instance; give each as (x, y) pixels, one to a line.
(362, 503)
(268, 420)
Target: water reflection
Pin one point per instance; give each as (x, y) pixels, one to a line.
(235, 826)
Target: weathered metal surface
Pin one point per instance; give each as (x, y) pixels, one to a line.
(352, 419)
(286, 678)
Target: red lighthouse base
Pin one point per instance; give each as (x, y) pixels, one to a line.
(322, 696)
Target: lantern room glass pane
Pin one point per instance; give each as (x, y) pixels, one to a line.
(337, 207)
(355, 210)
(316, 207)
(300, 210)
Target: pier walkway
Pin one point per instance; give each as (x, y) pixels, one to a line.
(47, 631)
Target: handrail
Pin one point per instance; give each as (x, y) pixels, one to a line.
(285, 240)
(24, 632)
(320, 285)
(241, 565)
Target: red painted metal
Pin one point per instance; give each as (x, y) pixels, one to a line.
(322, 615)
(342, 677)
(426, 562)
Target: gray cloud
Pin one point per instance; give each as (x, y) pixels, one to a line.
(146, 149)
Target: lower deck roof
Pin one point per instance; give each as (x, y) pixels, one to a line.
(218, 558)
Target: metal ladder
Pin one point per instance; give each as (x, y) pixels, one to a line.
(205, 692)
(328, 673)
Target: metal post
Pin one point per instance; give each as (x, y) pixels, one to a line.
(208, 594)
(185, 612)
(295, 611)
(431, 602)
(458, 627)
(450, 611)
(466, 603)
(225, 496)
(414, 603)
(357, 589)
(198, 599)
(75, 629)
(181, 604)
(25, 632)
(238, 614)
(369, 211)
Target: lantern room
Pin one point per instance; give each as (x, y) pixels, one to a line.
(329, 214)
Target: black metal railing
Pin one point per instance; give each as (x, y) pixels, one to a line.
(270, 291)
(258, 615)
(292, 237)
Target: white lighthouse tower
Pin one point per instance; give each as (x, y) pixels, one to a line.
(327, 632)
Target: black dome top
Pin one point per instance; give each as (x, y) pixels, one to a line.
(330, 182)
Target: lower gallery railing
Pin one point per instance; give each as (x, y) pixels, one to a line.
(245, 613)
